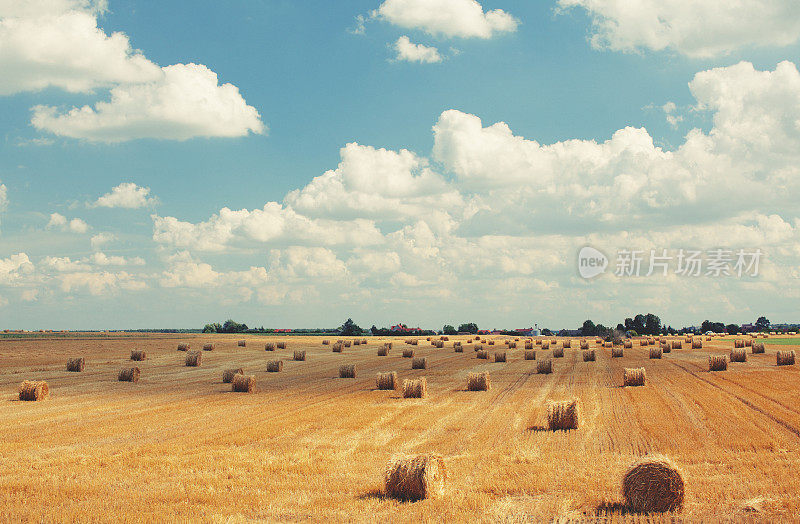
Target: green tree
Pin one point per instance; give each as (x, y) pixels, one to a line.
(468, 328)
(732, 329)
(449, 330)
(349, 328)
(212, 328)
(652, 324)
(588, 329)
(231, 326)
(762, 324)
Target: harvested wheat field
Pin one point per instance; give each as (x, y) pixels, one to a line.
(179, 445)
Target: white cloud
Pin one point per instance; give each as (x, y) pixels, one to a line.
(450, 18)
(100, 283)
(670, 112)
(102, 238)
(408, 51)
(3, 197)
(101, 259)
(64, 264)
(306, 262)
(126, 195)
(14, 268)
(183, 271)
(698, 29)
(75, 225)
(58, 44)
(185, 102)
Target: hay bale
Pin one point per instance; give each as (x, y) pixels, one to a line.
(499, 356)
(666, 347)
(512, 345)
(383, 352)
(408, 353)
(458, 349)
(129, 375)
(617, 352)
(609, 345)
(758, 348)
(558, 352)
(545, 344)
(653, 485)
(748, 342)
(388, 345)
(194, 359)
(281, 345)
(717, 363)
(299, 355)
(138, 355)
(415, 478)
(676, 344)
(439, 344)
(738, 355)
(589, 356)
(274, 366)
(528, 344)
(415, 342)
(477, 347)
(643, 342)
(538, 342)
(356, 342)
(419, 363)
(347, 343)
(530, 354)
(628, 344)
(347, 371)
(34, 390)
(337, 347)
(697, 344)
(76, 364)
(242, 343)
(415, 388)
(785, 358)
(269, 346)
(326, 342)
(584, 344)
(544, 366)
(478, 381)
(655, 352)
(634, 377)
(567, 344)
(228, 374)
(483, 354)
(183, 347)
(208, 347)
(563, 415)
(598, 341)
(387, 380)
(244, 383)
(491, 342)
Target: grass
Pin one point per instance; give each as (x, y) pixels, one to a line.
(780, 341)
(165, 449)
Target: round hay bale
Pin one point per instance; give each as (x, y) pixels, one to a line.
(299, 355)
(242, 343)
(563, 415)
(655, 352)
(34, 390)
(609, 345)
(208, 347)
(326, 342)
(478, 381)
(419, 363)
(558, 352)
(666, 347)
(584, 344)
(281, 345)
(243, 384)
(228, 374)
(387, 345)
(138, 355)
(183, 347)
(567, 344)
(545, 344)
(717, 363)
(676, 344)
(383, 352)
(458, 349)
(528, 344)
(269, 346)
(194, 358)
(530, 354)
(415, 478)
(617, 352)
(482, 354)
(589, 356)
(387, 380)
(538, 342)
(76, 364)
(758, 348)
(653, 485)
(129, 375)
(408, 353)
(415, 388)
(499, 356)
(748, 342)
(415, 342)
(346, 343)
(338, 347)
(356, 342)
(347, 371)
(274, 366)
(544, 366)
(634, 377)
(697, 344)
(477, 347)
(738, 355)
(491, 342)
(629, 344)
(785, 358)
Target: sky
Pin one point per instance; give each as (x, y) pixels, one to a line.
(292, 164)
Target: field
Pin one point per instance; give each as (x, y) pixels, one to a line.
(179, 445)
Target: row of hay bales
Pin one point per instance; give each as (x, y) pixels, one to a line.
(652, 484)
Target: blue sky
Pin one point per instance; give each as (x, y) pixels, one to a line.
(472, 222)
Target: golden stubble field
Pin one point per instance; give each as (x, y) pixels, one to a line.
(180, 446)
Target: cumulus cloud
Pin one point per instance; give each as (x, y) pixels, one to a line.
(59, 44)
(100, 283)
(407, 51)
(697, 29)
(101, 239)
(14, 268)
(60, 222)
(186, 101)
(450, 18)
(126, 195)
(183, 271)
(3, 197)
